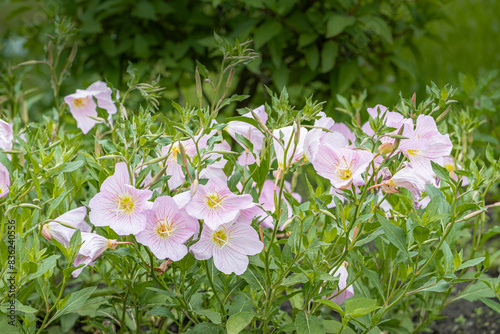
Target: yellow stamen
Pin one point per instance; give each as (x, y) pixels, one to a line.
(164, 228)
(80, 102)
(343, 169)
(220, 237)
(449, 167)
(126, 204)
(214, 200)
(413, 152)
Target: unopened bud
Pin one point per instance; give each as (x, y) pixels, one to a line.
(46, 232)
(385, 148)
(288, 222)
(296, 136)
(443, 115)
(72, 54)
(183, 155)
(123, 111)
(199, 90)
(259, 121)
(194, 187)
(49, 51)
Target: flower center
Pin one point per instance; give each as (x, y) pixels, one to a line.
(1, 190)
(175, 150)
(126, 204)
(80, 102)
(214, 201)
(220, 237)
(449, 167)
(164, 228)
(413, 152)
(343, 169)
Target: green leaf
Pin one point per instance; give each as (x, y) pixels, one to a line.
(489, 155)
(471, 263)
(55, 204)
(202, 69)
(440, 171)
(395, 234)
(211, 315)
(295, 278)
(329, 55)
(45, 266)
(265, 32)
(237, 322)
(335, 327)
(468, 84)
(337, 23)
(308, 324)
(206, 328)
(421, 233)
(359, 307)
(73, 302)
(491, 304)
(330, 304)
(71, 166)
(312, 57)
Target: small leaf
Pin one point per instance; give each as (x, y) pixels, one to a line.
(211, 315)
(471, 263)
(395, 234)
(308, 324)
(337, 23)
(237, 322)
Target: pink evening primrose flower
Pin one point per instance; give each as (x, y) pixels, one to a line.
(93, 246)
(266, 201)
(119, 205)
(292, 152)
(81, 104)
(6, 136)
(254, 135)
(424, 143)
(451, 165)
(4, 181)
(167, 229)
(348, 292)
(63, 227)
(229, 245)
(216, 204)
(407, 178)
(341, 166)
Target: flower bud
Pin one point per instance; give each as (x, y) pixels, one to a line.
(46, 232)
(385, 148)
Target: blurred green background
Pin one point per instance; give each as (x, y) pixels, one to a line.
(311, 47)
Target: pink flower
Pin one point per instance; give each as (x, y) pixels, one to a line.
(317, 138)
(167, 229)
(229, 245)
(63, 227)
(348, 292)
(266, 200)
(81, 104)
(216, 204)
(407, 178)
(93, 246)
(424, 143)
(345, 131)
(451, 165)
(119, 205)
(4, 181)
(251, 133)
(294, 153)
(341, 166)
(6, 136)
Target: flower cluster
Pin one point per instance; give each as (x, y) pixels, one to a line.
(209, 220)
